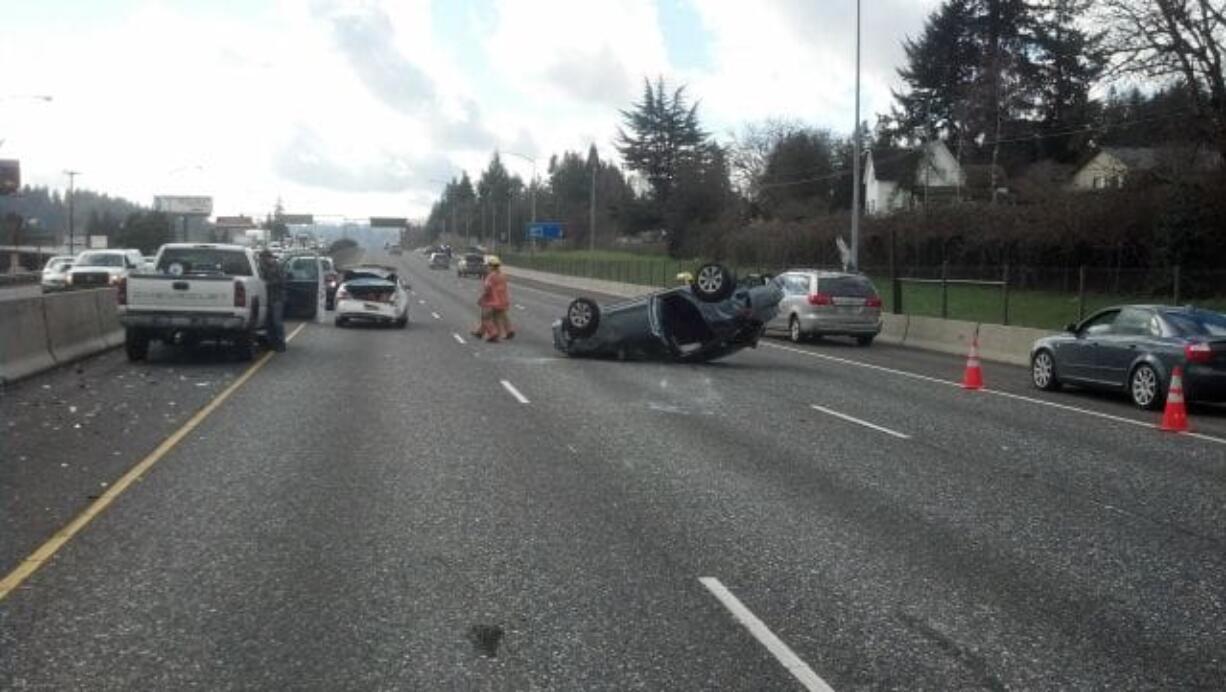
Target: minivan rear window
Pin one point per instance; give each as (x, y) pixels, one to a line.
(846, 286)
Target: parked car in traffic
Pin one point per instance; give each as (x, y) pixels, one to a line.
(819, 303)
(98, 268)
(1133, 349)
(471, 265)
(709, 317)
(440, 260)
(150, 263)
(55, 273)
(200, 291)
(372, 294)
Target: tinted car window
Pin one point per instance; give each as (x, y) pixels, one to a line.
(795, 284)
(846, 286)
(1100, 324)
(196, 260)
(1199, 323)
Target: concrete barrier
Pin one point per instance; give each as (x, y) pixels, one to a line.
(24, 348)
(1008, 344)
(108, 317)
(893, 328)
(935, 334)
(73, 329)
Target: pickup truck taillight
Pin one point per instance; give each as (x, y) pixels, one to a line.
(1198, 352)
(240, 294)
(121, 290)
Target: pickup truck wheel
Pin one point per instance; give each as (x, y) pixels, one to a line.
(136, 343)
(713, 283)
(245, 346)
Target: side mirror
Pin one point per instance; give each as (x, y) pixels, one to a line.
(1071, 327)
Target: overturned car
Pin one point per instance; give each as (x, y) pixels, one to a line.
(709, 317)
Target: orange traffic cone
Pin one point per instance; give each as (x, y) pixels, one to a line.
(973, 379)
(1175, 417)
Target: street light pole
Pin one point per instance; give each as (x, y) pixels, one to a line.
(72, 203)
(591, 210)
(855, 165)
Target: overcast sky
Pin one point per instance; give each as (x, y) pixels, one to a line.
(355, 108)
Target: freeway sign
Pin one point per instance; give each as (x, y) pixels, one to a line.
(388, 222)
(297, 219)
(551, 230)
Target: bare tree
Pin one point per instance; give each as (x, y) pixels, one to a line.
(751, 148)
(1179, 41)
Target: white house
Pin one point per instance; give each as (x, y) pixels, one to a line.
(902, 178)
(1112, 167)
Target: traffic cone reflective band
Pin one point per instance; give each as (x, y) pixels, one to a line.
(973, 379)
(1175, 417)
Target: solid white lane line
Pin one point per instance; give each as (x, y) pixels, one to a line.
(459, 339)
(518, 306)
(993, 392)
(420, 301)
(514, 392)
(857, 421)
(436, 316)
(782, 652)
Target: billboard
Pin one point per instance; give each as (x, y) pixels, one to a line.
(234, 222)
(175, 204)
(10, 176)
(388, 222)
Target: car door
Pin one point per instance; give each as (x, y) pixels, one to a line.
(795, 286)
(1131, 333)
(1078, 359)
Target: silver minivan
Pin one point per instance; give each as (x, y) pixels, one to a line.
(828, 303)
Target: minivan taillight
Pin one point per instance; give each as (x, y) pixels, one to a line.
(240, 294)
(121, 290)
(819, 299)
(1198, 352)
(872, 302)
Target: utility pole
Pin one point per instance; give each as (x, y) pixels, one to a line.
(510, 197)
(855, 165)
(72, 203)
(591, 209)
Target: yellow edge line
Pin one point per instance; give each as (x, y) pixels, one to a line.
(48, 549)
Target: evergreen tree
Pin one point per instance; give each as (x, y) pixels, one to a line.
(658, 132)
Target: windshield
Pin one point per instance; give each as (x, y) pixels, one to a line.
(193, 260)
(58, 264)
(99, 259)
(1197, 323)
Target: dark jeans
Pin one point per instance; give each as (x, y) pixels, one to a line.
(276, 326)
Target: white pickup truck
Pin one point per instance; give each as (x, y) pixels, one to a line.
(195, 292)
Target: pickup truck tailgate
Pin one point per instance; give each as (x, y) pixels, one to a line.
(197, 294)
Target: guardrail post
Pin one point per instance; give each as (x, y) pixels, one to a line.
(944, 290)
(1175, 272)
(1081, 293)
(1005, 295)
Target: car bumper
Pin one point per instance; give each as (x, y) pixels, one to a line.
(1203, 383)
(814, 324)
(225, 323)
(357, 311)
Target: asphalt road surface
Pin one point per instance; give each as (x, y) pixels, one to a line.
(386, 509)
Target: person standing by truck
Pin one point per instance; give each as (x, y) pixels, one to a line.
(494, 302)
(274, 281)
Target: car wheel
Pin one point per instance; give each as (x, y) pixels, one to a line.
(1043, 372)
(865, 340)
(1145, 387)
(794, 332)
(582, 317)
(136, 344)
(713, 283)
(245, 346)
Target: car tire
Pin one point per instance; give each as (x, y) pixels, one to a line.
(713, 283)
(1145, 388)
(245, 346)
(1043, 371)
(795, 334)
(582, 317)
(136, 344)
(865, 340)
(340, 322)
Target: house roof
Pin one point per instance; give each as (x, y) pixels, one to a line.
(1135, 158)
(893, 163)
